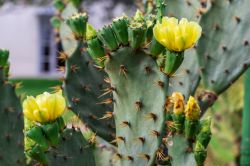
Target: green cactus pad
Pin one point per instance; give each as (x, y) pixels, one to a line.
(139, 100)
(190, 9)
(11, 121)
(83, 86)
(73, 150)
(104, 154)
(177, 149)
(224, 47)
(83, 83)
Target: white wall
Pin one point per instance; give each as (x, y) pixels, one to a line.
(19, 33)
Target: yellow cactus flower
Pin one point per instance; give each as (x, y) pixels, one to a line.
(178, 101)
(45, 107)
(177, 36)
(192, 110)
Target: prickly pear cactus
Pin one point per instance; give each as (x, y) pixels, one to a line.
(84, 82)
(221, 60)
(136, 81)
(11, 122)
(139, 117)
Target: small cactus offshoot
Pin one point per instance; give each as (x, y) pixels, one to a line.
(78, 24)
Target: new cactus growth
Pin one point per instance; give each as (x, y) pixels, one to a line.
(187, 145)
(178, 111)
(78, 25)
(107, 36)
(202, 140)
(136, 34)
(120, 27)
(192, 114)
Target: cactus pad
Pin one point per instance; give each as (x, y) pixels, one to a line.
(73, 150)
(138, 110)
(83, 82)
(177, 149)
(224, 47)
(11, 122)
(83, 86)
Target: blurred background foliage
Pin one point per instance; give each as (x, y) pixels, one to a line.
(227, 111)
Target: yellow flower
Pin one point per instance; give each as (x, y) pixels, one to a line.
(192, 111)
(45, 107)
(177, 36)
(178, 101)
